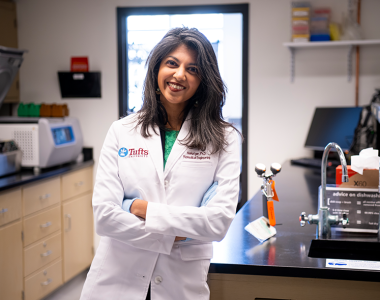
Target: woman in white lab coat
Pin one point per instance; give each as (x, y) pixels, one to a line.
(162, 247)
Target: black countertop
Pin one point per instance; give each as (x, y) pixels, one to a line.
(27, 175)
(285, 254)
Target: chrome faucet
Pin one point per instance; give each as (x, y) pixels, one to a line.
(323, 219)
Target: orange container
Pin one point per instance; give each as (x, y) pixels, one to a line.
(54, 110)
(45, 110)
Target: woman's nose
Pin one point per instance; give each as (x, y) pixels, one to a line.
(180, 74)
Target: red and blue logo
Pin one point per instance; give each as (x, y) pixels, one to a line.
(133, 152)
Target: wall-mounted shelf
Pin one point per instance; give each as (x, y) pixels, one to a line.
(80, 84)
(350, 44)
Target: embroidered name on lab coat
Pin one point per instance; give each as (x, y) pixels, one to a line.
(196, 155)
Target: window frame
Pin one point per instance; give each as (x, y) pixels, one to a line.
(122, 42)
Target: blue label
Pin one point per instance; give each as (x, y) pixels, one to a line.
(123, 152)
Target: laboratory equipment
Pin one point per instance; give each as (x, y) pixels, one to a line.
(10, 158)
(268, 189)
(45, 142)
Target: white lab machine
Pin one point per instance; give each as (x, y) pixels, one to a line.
(45, 142)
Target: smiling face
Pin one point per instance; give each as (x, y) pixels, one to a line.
(178, 77)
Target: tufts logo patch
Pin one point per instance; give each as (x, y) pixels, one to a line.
(133, 152)
(123, 152)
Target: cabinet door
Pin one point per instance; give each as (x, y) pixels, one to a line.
(77, 235)
(10, 206)
(11, 262)
(8, 38)
(8, 25)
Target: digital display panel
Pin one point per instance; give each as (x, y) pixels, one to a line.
(333, 124)
(63, 135)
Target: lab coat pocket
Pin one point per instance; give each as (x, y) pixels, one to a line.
(196, 252)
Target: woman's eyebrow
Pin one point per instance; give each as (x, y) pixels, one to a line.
(177, 60)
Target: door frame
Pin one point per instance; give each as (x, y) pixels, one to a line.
(124, 12)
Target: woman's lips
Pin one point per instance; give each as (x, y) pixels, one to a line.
(174, 87)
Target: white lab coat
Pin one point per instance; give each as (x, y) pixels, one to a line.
(133, 252)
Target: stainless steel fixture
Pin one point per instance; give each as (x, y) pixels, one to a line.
(323, 219)
(10, 162)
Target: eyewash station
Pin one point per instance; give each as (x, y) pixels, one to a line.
(321, 234)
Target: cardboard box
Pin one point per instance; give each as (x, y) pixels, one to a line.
(369, 179)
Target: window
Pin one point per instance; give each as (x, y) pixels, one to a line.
(140, 29)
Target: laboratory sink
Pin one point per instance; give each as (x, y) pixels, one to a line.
(355, 249)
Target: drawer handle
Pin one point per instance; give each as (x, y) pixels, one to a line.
(69, 217)
(80, 183)
(44, 197)
(47, 282)
(47, 224)
(47, 253)
(4, 210)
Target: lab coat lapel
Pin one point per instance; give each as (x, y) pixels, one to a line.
(178, 148)
(153, 144)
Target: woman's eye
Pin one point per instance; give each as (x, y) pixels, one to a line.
(193, 70)
(171, 63)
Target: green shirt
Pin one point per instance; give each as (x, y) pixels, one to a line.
(170, 137)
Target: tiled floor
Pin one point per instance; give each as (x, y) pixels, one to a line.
(70, 290)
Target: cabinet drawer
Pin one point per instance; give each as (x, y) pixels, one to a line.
(39, 255)
(76, 183)
(41, 195)
(10, 206)
(43, 282)
(41, 225)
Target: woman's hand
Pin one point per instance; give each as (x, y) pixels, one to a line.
(139, 207)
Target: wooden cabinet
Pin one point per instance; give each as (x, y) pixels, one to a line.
(41, 195)
(77, 235)
(76, 183)
(11, 277)
(8, 38)
(242, 287)
(42, 253)
(45, 241)
(41, 225)
(44, 281)
(10, 206)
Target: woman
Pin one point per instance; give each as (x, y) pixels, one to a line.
(166, 157)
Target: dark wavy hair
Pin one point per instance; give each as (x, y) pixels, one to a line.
(207, 124)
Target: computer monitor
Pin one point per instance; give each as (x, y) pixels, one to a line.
(333, 124)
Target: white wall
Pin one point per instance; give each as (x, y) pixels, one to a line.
(279, 111)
